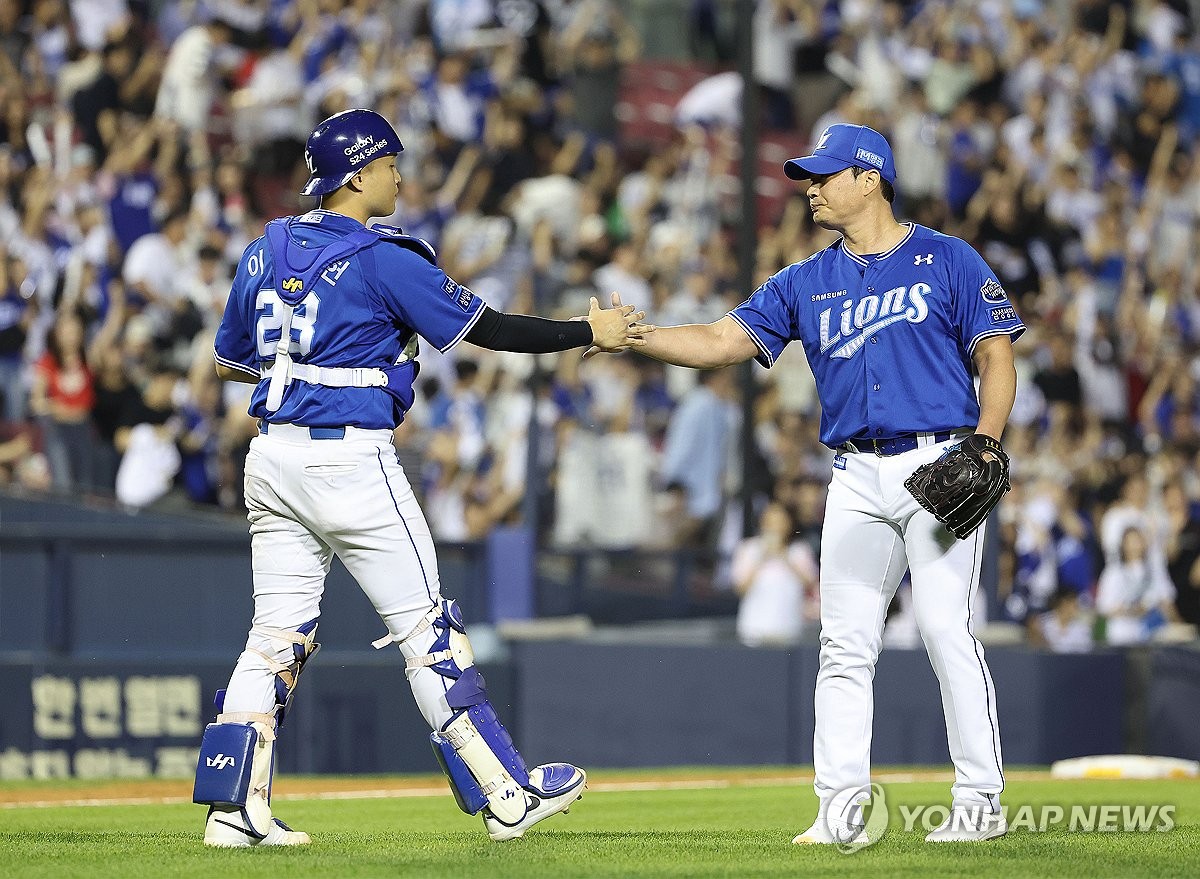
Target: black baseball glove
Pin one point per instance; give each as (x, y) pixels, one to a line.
(961, 487)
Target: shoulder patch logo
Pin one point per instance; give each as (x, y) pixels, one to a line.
(461, 294)
(1003, 313)
(927, 259)
(992, 291)
(293, 285)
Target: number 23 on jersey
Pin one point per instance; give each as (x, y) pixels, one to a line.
(269, 322)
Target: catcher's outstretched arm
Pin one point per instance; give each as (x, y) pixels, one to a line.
(997, 384)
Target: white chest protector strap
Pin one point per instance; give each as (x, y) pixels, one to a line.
(328, 376)
(281, 370)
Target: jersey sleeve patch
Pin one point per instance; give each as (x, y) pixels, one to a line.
(992, 291)
(1003, 313)
(459, 294)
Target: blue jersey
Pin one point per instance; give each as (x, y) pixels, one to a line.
(889, 337)
(361, 312)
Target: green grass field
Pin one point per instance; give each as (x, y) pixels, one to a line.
(741, 829)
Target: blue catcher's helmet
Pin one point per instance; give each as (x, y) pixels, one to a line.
(344, 144)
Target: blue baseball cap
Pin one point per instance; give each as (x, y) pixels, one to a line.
(842, 146)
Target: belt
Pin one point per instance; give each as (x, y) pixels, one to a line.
(317, 433)
(899, 444)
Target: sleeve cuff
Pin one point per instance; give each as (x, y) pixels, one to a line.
(466, 329)
(765, 357)
(240, 367)
(1014, 332)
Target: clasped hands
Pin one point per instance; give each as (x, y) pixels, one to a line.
(617, 328)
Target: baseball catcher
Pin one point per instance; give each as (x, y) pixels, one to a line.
(323, 319)
(962, 486)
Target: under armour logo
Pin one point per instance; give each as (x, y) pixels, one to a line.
(509, 794)
(927, 259)
(220, 761)
(295, 285)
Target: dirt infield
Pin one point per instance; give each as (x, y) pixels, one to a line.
(151, 791)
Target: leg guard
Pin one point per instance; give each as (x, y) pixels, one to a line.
(462, 784)
(234, 780)
(237, 753)
(496, 775)
(226, 764)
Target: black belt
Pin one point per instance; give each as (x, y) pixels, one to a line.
(898, 444)
(317, 433)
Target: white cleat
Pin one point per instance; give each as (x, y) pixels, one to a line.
(833, 832)
(969, 825)
(553, 788)
(232, 830)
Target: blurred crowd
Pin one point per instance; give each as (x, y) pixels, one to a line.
(143, 144)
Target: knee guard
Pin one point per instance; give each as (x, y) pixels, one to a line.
(284, 662)
(287, 675)
(234, 771)
(473, 747)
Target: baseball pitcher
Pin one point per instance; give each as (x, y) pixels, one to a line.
(896, 321)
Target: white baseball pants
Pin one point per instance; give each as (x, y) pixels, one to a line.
(874, 529)
(309, 499)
